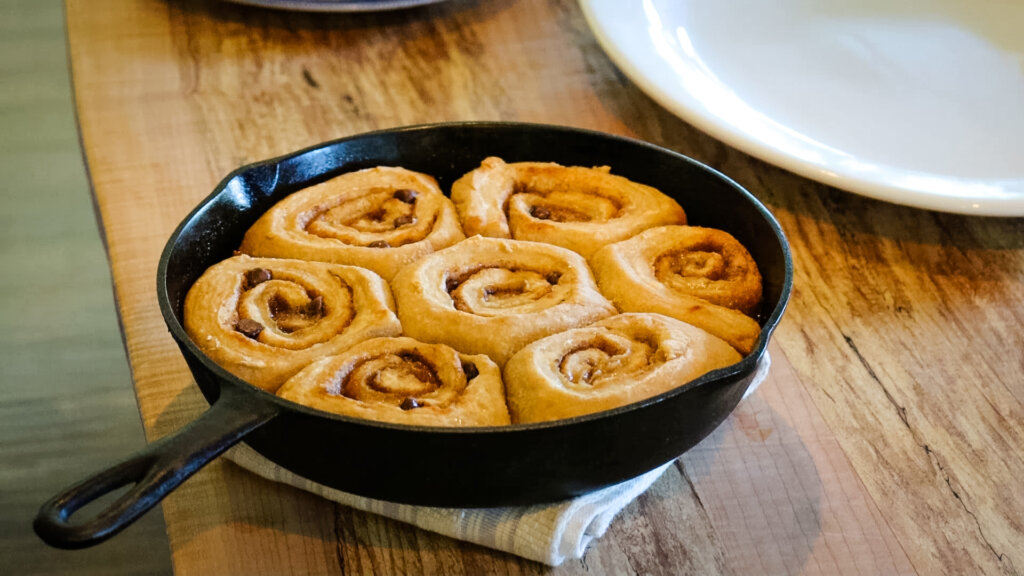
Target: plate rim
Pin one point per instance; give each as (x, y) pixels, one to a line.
(685, 109)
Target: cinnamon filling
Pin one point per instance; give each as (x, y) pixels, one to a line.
(586, 362)
(572, 204)
(492, 290)
(505, 290)
(378, 211)
(291, 318)
(606, 358)
(453, 281)
(702, 261)
(399, 378)
(562, 214)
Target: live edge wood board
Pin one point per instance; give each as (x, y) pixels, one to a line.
(888, 439)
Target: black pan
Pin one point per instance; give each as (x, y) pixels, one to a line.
(469, 467)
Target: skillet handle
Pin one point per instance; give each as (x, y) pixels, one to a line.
(155, 471)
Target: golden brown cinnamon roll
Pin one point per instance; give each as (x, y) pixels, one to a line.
(491, 296)
(699, 275)
(264, 319)
(611, 363)
(379, 218)
(578, 208)
(404, 381)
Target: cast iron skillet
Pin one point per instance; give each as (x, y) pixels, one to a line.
(472, 467)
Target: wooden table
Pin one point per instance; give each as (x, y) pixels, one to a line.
(889, 438)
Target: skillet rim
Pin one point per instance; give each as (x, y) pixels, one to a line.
(731, 373)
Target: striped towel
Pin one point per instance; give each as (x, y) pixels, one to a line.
(548, 533)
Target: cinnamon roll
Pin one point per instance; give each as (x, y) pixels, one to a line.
(492, 296)
(611, 363)
(404, 381)
(379, 218)
(699, 275)
(264, 319)
(578, 208)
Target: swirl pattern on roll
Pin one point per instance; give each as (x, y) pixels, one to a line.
(703, 276)
(263, 319)
(578, 208)
(404, 381)
(492, 296)
(611, 363)
(379, 218)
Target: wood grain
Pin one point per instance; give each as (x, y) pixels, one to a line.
(888, 439)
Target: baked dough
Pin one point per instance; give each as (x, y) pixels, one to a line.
(404, 381)
(264, 319)
(611, 363)
(578, 208)
(492, 296)
(379, 218)
(698, 275)
(304, 303)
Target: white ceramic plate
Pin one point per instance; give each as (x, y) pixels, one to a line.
(336, 5)
(917, 102)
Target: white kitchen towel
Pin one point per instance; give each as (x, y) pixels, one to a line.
(547, 533)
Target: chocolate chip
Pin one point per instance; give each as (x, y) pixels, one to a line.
(406, 195)
(278, 305)
(256, 276)
(250, 328)
(553, 278)
(540, 213)
(410, 403)
(315, 307)
(378, 244)
(404, 219)
(471, 370)
(451, 284)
